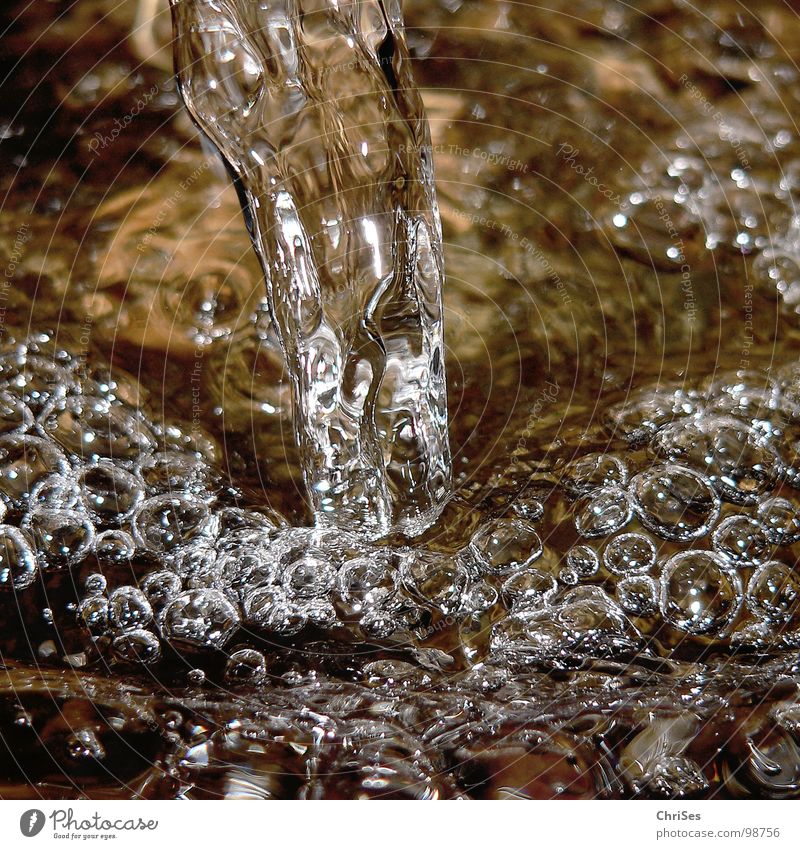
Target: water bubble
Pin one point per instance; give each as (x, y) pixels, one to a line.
(62, 537)
(270, 608)
(605, 512)
(128, 608)
(780, 520)
(583, 560)
(196, 677)
(435, 579)
(160, 587)
(528, 588)
(109, 492)
(741, 540)
(163, 523)
(137, 646)
(114, 547)
(15, 415)
(701, 593)
(594, 471)
(199, 617)
(57, 491)
(773, 592)
(630, 554)
(94, 428)
(18, 566)
(645, 410)
(319, 612)
(506, 545)
(528, 508)
(24, 461)
(246, 666)
(311, 574)
(85, 745)
(674, 502)
(365, 582)
(638, 595)
(569, 576)
(173, 471)
(32, 378)
(740, 464)
(93, 615)
(95, 584)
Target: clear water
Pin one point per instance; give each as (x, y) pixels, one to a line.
(607, 606)
(313, 107)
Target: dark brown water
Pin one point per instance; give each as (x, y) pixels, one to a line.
(609, 605)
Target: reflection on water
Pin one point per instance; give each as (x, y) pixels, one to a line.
(608, 606)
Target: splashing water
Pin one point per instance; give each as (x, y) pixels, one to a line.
(314, 110)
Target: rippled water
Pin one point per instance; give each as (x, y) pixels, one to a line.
(609, 604)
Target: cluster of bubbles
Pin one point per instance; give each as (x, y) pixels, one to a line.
(683, 540)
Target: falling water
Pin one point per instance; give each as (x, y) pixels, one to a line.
(313, 108)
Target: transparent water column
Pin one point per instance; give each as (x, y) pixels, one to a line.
(312, 105)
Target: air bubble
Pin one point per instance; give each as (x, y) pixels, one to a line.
(506, 545)
(741, 540)
(528, 588)
(109, 492)
(202, 618)
(128, 608)
(62, 537)
(701, 593)
(594, 471)
(780, 520)
(604, 513)
(583, 560)
(674, 502)
(137, 646)
(246, 666)
(773, 592)
(638, 595)
(630, 554)
(165, 522)
(113, 547)
(18, 565)
(24, 461)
